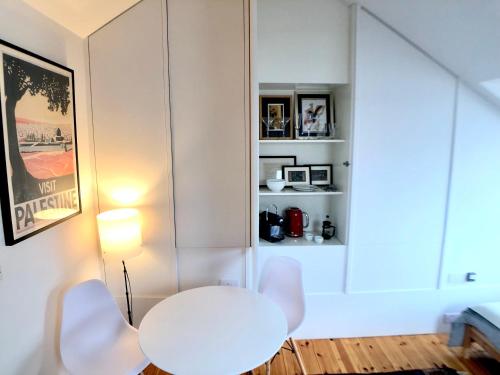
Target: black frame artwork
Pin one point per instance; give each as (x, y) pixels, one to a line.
(291, 159)
(318, 167)
(266, 104)
(303, 168)
(302, 132)
(39, 176)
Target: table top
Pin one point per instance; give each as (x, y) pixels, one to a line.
(212, 330)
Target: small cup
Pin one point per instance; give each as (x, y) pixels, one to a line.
(318, 239)
(308, 236)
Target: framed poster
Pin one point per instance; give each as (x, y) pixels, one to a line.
(39, 182)
(276, 117)
(269, 165)
(314, 116)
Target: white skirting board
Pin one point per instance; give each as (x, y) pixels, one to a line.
(387, 313)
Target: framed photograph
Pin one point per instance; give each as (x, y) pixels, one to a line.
(39, 182)
(297, 175)
(269, 165)
(276, 117)
(321, 174)
(314, 114)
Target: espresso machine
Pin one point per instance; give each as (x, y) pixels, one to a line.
(271, 225)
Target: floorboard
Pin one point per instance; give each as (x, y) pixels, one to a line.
(374, 354)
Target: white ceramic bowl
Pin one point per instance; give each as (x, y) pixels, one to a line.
(318, 239)
(275, 184)
(308, 236)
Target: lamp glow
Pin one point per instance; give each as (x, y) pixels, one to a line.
(120, 233)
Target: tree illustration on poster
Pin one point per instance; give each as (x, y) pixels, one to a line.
(21, 77)
(39, 143)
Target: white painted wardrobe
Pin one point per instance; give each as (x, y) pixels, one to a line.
(170, 101)
(401, 264)
(175, 87)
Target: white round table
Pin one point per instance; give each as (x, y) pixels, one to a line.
(215, 330)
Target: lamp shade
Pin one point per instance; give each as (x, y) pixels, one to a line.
(120, 233)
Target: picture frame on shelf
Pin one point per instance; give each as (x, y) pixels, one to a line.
(269, 165)
(276, 117)
(314, 112)
(39, 180)
(297, 175)
(321, 174)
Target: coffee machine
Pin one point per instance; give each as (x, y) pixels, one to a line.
(271, 226)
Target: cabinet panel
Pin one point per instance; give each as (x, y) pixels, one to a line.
(402, 143)
(131, 141)
(300, 41)
(209, 93)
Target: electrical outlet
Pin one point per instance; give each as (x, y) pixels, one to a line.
(456, 278)
(471, 277)
(450, 317)
(229, 282)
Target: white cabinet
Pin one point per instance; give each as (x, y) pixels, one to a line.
(303, 41)
(131, 142)
(209, 94)
(404, 105)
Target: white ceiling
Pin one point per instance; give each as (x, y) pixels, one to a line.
(82, 17)
(464, 35)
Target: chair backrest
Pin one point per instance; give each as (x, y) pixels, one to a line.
(281, 280)
(91, 321)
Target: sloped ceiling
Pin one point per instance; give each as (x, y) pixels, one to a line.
(464, 35)
(82, 17)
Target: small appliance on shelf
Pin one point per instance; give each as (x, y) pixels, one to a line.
(271, 226)
(295, 222)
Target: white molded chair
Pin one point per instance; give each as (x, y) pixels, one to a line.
(281, 281)
(95, 337)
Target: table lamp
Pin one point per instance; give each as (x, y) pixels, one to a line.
(121, 238)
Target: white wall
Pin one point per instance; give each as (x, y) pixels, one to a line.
(36, 271)
(473, 235)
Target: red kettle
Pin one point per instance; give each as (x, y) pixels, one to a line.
(294, 222)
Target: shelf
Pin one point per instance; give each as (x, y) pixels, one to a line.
(301, 241)
(290, 191)
(295, 141)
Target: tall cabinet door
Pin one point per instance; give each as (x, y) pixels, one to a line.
(404, 105)
(208, 58)
(131, 141)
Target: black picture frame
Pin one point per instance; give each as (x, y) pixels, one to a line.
(284, 122)
(317, 167)
(292, 159)
(298, 168)
(33, 196)
(325, 119)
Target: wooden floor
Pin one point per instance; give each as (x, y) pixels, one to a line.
(375, 354)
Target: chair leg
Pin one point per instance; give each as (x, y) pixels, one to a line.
(298, 356)
(268, 368)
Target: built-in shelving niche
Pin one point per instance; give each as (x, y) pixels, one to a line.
(321, 151)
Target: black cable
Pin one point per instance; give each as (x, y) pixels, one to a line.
(128, 291)
(131, 298)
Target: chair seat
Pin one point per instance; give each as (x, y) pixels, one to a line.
(123, 358)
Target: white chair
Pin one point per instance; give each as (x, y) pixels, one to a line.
(281, 281)
(95, 338)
